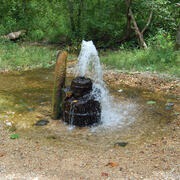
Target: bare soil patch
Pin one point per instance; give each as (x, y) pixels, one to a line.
(157, 158)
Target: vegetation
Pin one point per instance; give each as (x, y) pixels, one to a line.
(22, 57)
(140, 60)
(159, 57)
(123, 25)
(105, 22)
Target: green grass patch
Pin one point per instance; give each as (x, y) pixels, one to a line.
(15, 56)
(153, 60)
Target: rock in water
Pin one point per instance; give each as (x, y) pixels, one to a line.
(81, 108)
(121, 144)
(42, 122)
(59, 83)
(169, 106)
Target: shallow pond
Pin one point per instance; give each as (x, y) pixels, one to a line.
(25, 98)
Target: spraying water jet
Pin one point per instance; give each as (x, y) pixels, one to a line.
(87, 101)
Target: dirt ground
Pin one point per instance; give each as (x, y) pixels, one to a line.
(159, 83)
(29, 158)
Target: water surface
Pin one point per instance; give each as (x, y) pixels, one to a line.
(25, 98)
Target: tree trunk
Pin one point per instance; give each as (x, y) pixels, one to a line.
(137, 31)
(178, 39)
(128, 25)
(71, 15)
(80, 8)
(148, 22)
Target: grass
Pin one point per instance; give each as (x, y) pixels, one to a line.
(153, 60)
(15, 56)
(23, 57)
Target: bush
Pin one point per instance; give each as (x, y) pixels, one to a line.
(160, 56)
(37, 35)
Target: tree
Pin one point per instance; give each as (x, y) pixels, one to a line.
(139, 33)
(107, 23)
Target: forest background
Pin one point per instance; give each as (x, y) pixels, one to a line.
(124, 26)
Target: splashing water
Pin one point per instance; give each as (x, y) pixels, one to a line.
(112, 114)
(89, 63)
(71, 114)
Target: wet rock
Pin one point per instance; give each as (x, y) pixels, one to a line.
(42, 122)
(121, 144)
(81, 108)
(12, 129)
(51, 137)
(8, 123)
(169, 106)
(30, 109)
(59, 82)
(176, 113)
(81, 86)
(120, 90)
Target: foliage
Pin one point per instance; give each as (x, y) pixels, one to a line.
(151, 102)
(154, 59)
(17, 57)
(165, 14)
(158, 57)
(71, 21)
(42, 19)
(104, 22)
(14, 136)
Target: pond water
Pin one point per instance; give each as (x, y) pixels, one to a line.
(25, 98)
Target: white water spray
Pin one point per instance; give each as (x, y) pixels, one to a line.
(89, 63)
(89, 66)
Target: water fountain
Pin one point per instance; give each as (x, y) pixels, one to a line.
(87, 101)
(83, 106)
(25, 100)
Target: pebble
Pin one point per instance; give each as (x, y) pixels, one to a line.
(120, 90)
(122, 144)
(42, 122)
(8, 123)
(169, 106)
